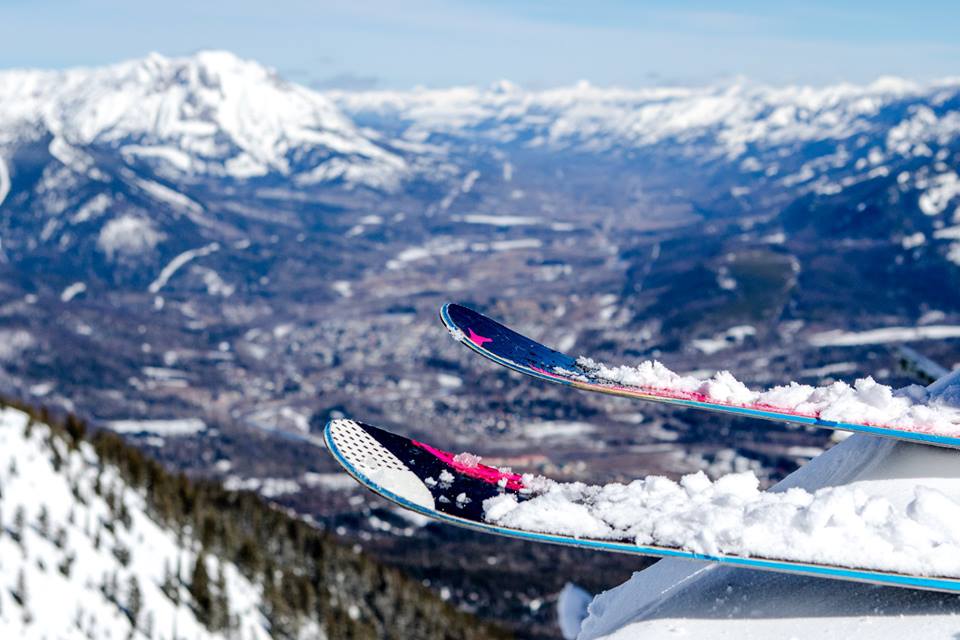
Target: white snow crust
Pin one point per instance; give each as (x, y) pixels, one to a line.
(911, 532)
(865, 402)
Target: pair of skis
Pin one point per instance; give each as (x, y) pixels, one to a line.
(452, 488)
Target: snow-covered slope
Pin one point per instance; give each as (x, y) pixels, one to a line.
(677, 599)
(81, 558)
(209, 114)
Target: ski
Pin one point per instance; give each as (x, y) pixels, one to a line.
(513, 350)
(454, 488)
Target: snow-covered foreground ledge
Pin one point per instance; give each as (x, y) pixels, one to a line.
(866, 402)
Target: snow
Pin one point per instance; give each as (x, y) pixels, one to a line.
(214, 284)
(724, 340)
(167, 272)
(267, 487)
(467, 460)
(72, 291)
(572, 603)
(731, 116)
(910, 531)
(913, 240)
(507, 245)
(80, 602)
(343, 287)
(180, 160)
(4, 181)
(885, 335)
(177, 427)
(128, 235)
(330, 481)
(165, 194)
(499, 220)
(449, 381)
(865, 402)
(211, 113)
(557, 430)
(13, 342)
(93, 208)
(946, 187)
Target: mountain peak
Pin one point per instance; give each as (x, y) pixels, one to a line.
(210, 113)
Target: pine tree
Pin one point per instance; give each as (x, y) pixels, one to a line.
(170, 586)
(43, 522)
(134, 600)
(200, 590)
(221, 611)
(19, 518)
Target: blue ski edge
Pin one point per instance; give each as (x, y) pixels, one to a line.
(782, 566)
(911, 436)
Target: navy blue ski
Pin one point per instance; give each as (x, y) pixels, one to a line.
(510, 349)
(451, 489)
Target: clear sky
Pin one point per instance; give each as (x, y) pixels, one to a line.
(396, 44)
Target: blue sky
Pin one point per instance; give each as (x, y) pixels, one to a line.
(394, 44)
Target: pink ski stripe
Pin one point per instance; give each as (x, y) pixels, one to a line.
(514, 481)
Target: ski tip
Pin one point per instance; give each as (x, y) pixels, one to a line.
(359, 450)
(446, 316)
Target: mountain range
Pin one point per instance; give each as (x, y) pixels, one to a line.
(213, 261)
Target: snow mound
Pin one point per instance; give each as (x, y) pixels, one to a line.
(847, 526)
(865, 402)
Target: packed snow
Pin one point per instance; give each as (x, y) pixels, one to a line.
(865, 402)
(915, 533)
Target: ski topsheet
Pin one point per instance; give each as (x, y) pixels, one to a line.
(508, 348)
(459, 490)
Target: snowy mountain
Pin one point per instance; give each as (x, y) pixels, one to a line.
(209, 258)
(86, 553)
(734, 121)
(211, 114)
